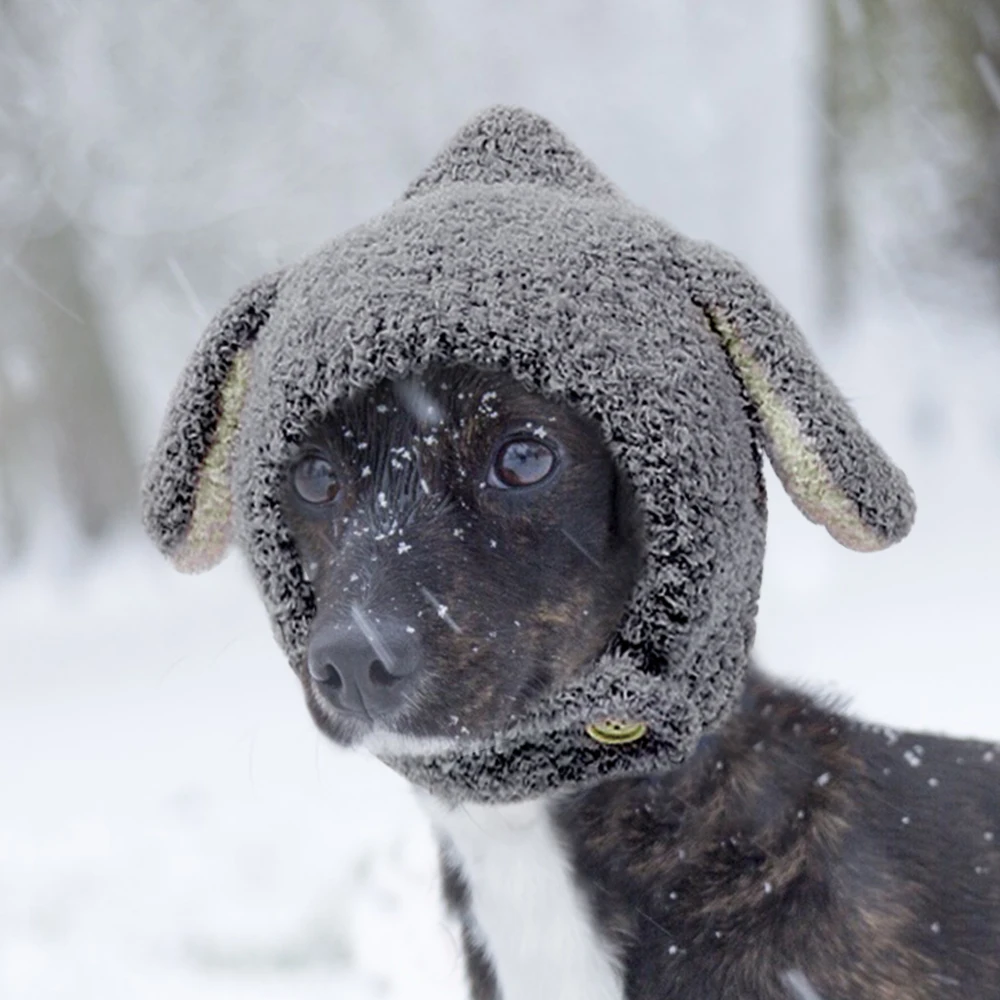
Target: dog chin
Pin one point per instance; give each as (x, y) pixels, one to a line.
(386, 743)
(392, 739)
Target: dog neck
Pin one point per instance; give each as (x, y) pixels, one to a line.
(555, 747)
(524, 911)
(520, 768)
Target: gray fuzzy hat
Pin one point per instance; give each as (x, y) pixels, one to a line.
(512, 252)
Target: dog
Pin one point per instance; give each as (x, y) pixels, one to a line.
(472, 544)
(533, 593)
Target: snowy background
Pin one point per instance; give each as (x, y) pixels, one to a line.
(170, 823)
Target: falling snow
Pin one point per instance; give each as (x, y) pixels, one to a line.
(799, 985)
(440, 609)
(988, 74)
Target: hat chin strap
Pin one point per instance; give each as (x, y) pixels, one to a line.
(515, 770)
(615, 722)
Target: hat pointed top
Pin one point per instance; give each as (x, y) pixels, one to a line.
(512, 145)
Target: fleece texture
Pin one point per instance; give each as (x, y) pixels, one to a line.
(512, 252)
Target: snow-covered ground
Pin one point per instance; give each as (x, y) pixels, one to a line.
(172, 826)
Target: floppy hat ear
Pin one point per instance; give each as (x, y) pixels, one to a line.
(833, 471)
(186, 500)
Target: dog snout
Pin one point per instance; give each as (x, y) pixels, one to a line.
(366, 667)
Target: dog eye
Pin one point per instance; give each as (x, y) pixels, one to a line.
(314, 479)
(522, 463)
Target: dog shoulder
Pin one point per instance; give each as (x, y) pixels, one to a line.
(784, 848)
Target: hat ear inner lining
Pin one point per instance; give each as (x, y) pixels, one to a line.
(208, 534)
(802, 471)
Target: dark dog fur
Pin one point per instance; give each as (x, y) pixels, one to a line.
(798, 839)
(797, 850)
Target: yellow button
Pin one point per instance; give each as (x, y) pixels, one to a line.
(616, 731)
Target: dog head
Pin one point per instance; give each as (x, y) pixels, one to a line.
(512, 254)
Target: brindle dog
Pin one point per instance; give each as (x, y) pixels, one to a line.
(470, 544)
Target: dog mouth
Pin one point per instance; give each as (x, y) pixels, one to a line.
(361, 717)
(378, 732)
(346, 726)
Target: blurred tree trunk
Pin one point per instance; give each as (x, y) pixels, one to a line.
(13, 534)
(64, 443)
(911, 144)
(63, 418)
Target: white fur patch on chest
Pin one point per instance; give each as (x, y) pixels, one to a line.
(533, 921)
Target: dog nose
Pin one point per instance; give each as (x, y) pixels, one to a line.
(367, 667)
